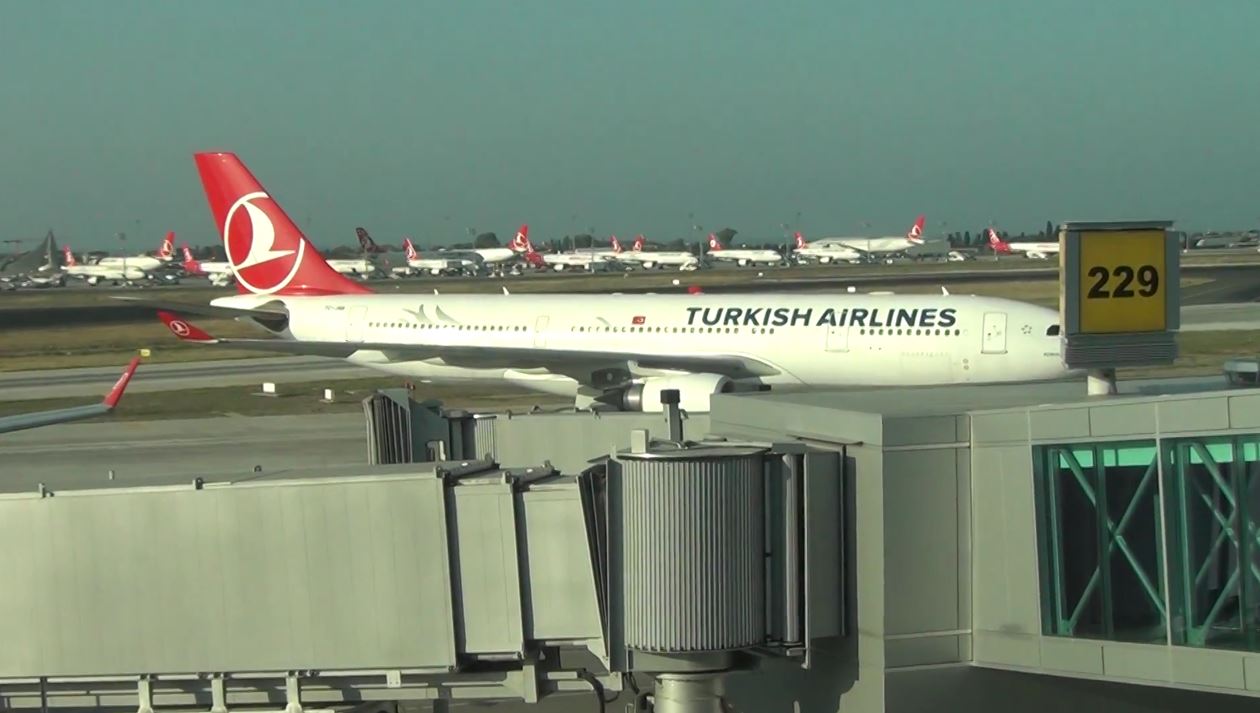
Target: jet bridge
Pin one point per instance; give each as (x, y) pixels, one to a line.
(448, 581)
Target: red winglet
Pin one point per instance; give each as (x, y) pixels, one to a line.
(115, 393)
(183, 329)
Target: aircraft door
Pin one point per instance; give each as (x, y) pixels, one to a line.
(994, 339)
(838, 339)
(540, 331)
(356, 323)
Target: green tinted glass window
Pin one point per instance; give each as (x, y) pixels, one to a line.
(1212, 504)
(1099, 528)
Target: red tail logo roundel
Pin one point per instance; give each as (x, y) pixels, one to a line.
(179, 327)
(267, 251)
(249, 239)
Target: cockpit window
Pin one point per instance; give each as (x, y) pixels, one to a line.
(1052, 330)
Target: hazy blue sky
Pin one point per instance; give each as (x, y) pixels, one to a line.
(427, 118)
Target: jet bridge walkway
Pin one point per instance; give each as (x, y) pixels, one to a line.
(416, 582)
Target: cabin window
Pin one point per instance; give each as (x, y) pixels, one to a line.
(1052, 330)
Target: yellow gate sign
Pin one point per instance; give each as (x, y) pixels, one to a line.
(1123, 281)
(1120, 293)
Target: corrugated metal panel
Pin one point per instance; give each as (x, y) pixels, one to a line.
(693, 553)
(388, 429)
(320, 575)
(483, 437)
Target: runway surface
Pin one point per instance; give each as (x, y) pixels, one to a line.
(93, 381)
(141, 451)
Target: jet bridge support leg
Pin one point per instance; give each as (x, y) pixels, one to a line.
(688, 693)
(292, 695)
(1100, 382)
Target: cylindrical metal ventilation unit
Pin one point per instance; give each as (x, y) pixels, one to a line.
(692, 549)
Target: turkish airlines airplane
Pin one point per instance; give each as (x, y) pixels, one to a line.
(517, 253)
(220, 273)
(579, 258)
(93, 274)
(824, 253)
(148, 263)
(880, 246)
(1038, 251)
(742, 256)
(649, 259)
(21, 421)
(433, 266)
(618, 351)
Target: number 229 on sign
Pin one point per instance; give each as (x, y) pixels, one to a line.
(1122, 285)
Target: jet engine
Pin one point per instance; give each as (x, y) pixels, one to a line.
(694, 391)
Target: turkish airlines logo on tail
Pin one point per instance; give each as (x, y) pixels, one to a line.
(616, 244)
(179, 327)
(916, 231)
(520, 243)
(639, 240)
(70, 261)
(168, 246)
(249, 238)
(409, 250)
(800, 240)
(714, 244)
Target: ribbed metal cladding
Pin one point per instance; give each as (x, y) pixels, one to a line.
(693, 552)
(483, 437)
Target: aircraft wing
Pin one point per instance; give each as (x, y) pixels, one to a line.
(265, 312)
(578, 364)
(35, 419)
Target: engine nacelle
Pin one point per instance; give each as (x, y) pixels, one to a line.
(694, 391)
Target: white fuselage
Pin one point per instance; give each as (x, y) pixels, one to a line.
(892, 244)
(584, 260)
(651, 258)
(1035, 250)
(353, 267)
(811, 340)
(432, 266)
(219, 273)
(139, 262)
(828, 253)
(745, 256)
(101, 271)
(213, 268)
(496, 255)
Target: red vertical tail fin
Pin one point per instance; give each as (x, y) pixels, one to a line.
(997, 243)
(520, 243)
(715, 245)
(915, 234)
(800, 240)
(268, 253)
(639, 240)
(69, 256)
(167, 251)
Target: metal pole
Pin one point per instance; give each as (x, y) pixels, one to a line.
(673, 417)
(690, 693)
(793, 568)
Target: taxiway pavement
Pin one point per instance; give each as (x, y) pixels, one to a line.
(140, 452)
